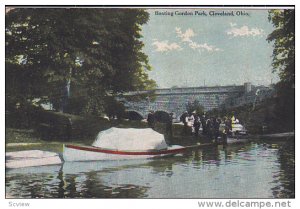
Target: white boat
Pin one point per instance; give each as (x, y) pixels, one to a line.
(238, 128)
(122, 144)
(31, 158)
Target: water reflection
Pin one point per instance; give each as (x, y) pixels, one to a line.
(286, 175)
(91, 184)
(254, 170)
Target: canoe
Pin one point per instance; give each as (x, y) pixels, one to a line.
(90, 153)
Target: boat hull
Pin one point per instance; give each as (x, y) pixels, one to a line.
(31, 158)
(86, 153)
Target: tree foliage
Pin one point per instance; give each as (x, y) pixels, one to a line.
(98, 51)
(283, 38)
(195, 106)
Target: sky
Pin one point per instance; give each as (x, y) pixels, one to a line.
(197, 47)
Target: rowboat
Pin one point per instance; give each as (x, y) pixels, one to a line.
(90, 153)
(122, 144)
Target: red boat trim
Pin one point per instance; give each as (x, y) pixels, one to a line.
(116, 152)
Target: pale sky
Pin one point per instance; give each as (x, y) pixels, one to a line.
(188, 50)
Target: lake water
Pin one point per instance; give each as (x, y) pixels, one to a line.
(253, 170)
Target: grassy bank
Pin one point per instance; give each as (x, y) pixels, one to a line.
(29, 139)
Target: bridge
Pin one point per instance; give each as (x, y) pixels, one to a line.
(175, 99)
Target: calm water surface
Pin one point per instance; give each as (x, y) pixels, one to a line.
(256, 170)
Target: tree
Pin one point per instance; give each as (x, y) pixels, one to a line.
(195, 106)
(97, 53)
(283, 38)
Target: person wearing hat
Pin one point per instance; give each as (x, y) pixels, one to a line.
(197, 123)
(203, 123)
(185, 118)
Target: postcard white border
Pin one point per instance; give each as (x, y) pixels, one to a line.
(127, 203)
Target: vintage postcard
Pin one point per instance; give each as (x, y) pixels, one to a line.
(150, 102)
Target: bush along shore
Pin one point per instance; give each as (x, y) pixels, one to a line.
(268, 117)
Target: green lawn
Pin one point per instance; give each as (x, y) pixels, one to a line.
(28, 139)
(57, 147)
(13, 135)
